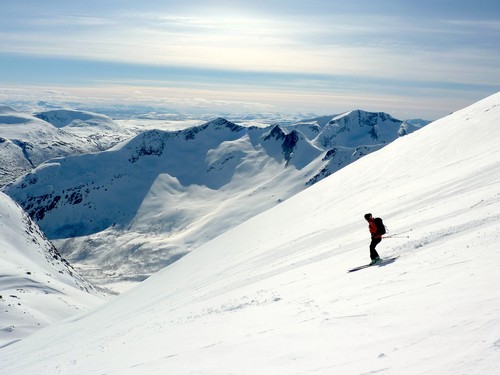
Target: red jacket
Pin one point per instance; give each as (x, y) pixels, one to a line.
(372, 227)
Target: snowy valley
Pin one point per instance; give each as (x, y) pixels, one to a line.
(273, 295)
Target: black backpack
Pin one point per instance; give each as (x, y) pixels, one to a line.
(380, 226)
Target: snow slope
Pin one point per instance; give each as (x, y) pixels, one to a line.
(26, 140)
(99, 129)
(272, 296)
(123, 214)
(37, 286)
(61, 118)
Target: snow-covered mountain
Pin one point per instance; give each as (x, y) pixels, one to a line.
(27, 140)
(99, 129)
(37, 286)
(273, 295)
(351, 135)
(62, 118)
(357, 128)
(127, 212)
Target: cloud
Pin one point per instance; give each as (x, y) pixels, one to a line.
(241, 39)
(260, 53)
(50, 20)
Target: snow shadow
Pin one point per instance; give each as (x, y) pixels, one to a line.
(386, 262)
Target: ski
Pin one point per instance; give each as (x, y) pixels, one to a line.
(381, 263)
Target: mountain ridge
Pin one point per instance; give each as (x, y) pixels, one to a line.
(87, 203)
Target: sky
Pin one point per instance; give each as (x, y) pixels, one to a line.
(412, 59)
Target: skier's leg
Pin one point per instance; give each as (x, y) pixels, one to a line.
(373, 244)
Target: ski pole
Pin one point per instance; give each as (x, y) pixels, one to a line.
(395, 236)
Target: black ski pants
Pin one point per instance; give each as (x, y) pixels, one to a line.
(373, 252)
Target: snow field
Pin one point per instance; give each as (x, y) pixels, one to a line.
(273, 296)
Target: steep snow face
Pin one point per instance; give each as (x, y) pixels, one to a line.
(26, 141)
(162, 194)
(273, 295)
(37, 286)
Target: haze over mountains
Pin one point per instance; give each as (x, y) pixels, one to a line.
(273, 296)
(123, 214)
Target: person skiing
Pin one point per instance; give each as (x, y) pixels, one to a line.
(376, 238)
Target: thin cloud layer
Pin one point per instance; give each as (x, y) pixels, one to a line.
(385, 49)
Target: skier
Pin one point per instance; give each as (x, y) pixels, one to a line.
(376, 238)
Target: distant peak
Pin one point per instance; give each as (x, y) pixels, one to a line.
(217, 124)
(276, 133)
(364, 117)
(220, 123)
(64, 117)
